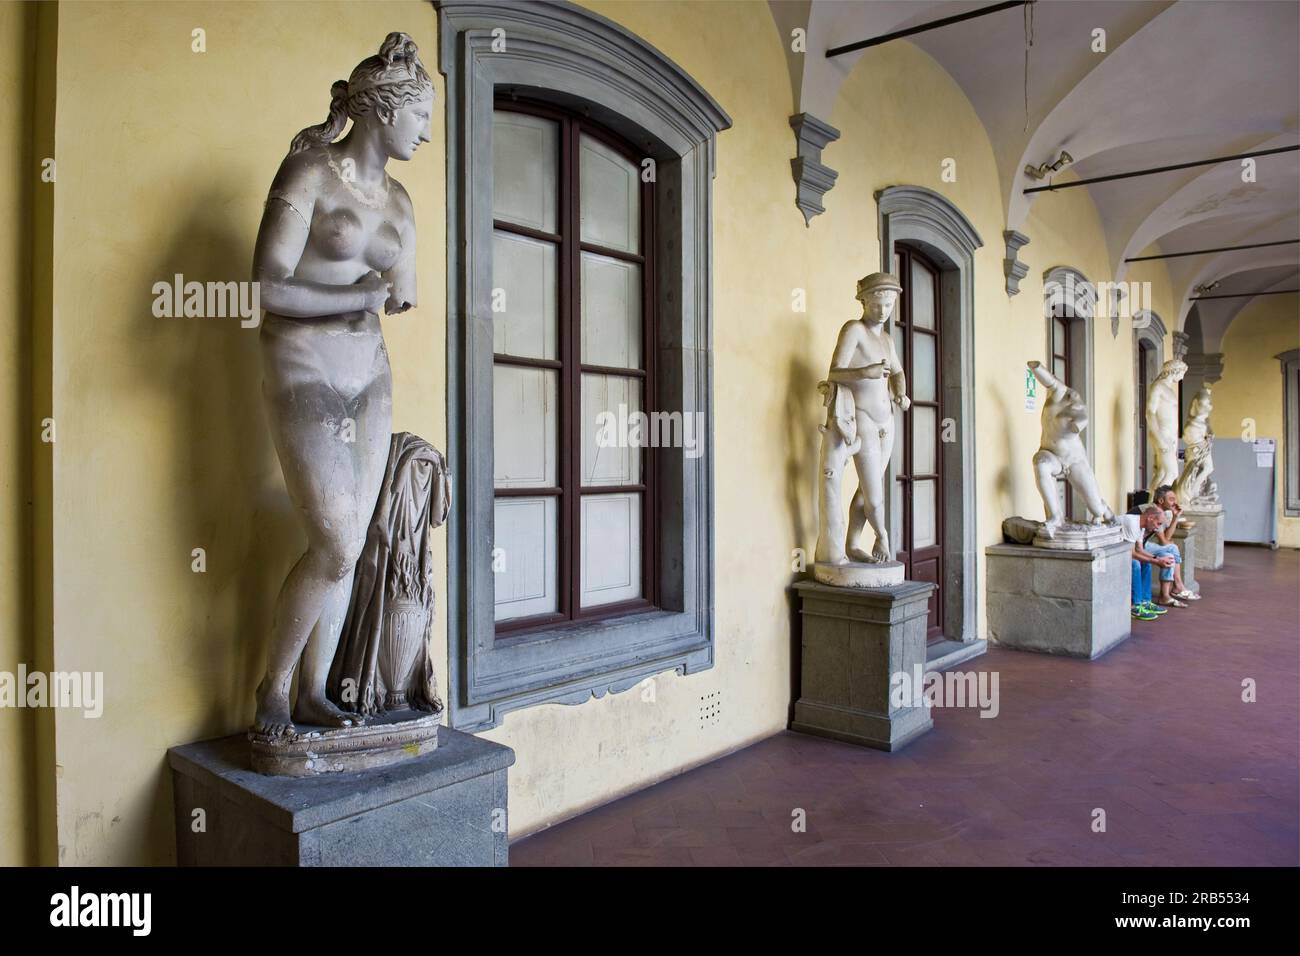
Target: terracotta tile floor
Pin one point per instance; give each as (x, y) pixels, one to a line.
(1155, 733)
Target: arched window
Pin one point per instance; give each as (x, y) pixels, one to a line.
(579, 201)
(930, 244)
(1148, 357)
(573, 371)
(1070, 305)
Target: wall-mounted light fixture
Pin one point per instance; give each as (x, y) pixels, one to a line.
(1207, 287)
(1038, 172)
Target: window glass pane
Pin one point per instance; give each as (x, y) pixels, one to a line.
(525, 170)
(524, 426)
(528, 557)
(611, 548)
(523, 312)
(925, 368)
(612, 438)
(610, 191)
(611, 312)
(922, 291)
(1059, 370)
(923, 439)
(924, 514)
(1058, 336)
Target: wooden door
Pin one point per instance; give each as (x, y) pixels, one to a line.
(918, 450)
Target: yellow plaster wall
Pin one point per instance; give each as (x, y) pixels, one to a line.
(165, 158)
(16, 49)
(1251, 387)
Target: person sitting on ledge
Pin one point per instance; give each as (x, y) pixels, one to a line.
(1133, 528)
(1160, 543)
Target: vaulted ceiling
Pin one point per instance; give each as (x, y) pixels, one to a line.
(1179, 81)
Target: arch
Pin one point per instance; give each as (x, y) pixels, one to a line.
(1148, 357)
(927, 221)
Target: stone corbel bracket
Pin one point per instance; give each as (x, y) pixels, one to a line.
(1207, 365)
(1012, 267)
(812, 179)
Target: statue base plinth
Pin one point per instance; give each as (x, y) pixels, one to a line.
(1186, 538)
(383, 740)
(858, 574)
(854, 643)
(1059, 601)
(1078, 536)
(1207, 517)
(444, 808)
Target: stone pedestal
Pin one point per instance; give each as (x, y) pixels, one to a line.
(854, 641)
(445, 808)
(1188, 544)
(1209, 536)
(1051, 601)
(857, 574)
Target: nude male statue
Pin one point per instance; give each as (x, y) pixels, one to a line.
(1062, 453)
(1162, 424)
(865, 381)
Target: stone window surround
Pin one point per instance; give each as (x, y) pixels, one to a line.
(927, 220)
(1080, 327)
(563, 54)
(1290, 433)
(1153, 333)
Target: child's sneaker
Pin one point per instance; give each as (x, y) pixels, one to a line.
(1140, 613)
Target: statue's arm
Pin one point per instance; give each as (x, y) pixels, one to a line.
(1050, 381)
(1076, 419)
(897, 380)
(402, 275)
(281, 239)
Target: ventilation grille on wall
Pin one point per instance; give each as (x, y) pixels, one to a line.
(710, 709)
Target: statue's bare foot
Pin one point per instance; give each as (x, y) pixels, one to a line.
(1049, 528)
(857, 554)
(272, 718)
(320, 712)
(880, 553)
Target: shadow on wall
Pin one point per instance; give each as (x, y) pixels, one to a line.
(1124, 478)
(802, 416)
(801, 401)
(1004, 481)
(225, 491)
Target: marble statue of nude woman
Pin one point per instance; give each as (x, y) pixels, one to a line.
(336, 245)
(865, 381)
(1062, 454)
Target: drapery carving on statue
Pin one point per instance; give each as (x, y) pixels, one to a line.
(382, 662)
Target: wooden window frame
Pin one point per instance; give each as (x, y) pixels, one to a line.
(568, 57)
(570, 370)
(907, 480)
